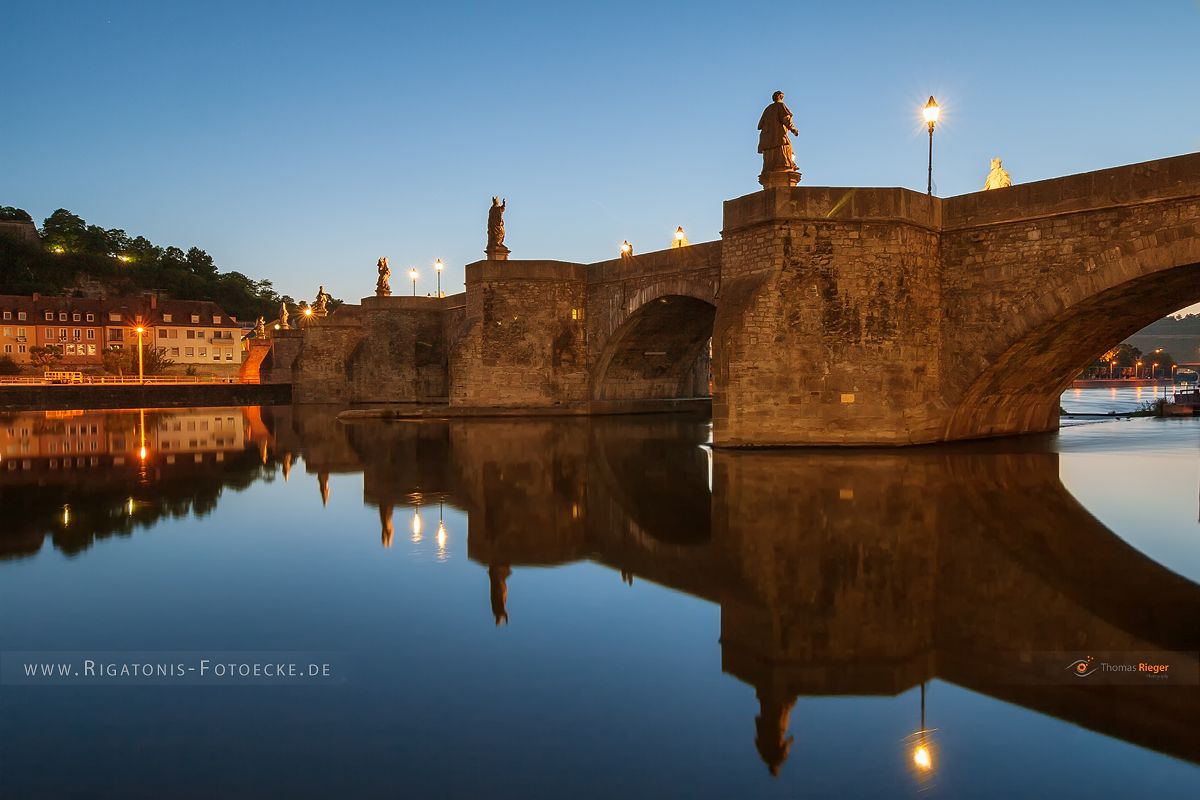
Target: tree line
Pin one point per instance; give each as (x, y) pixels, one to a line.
(74, 254)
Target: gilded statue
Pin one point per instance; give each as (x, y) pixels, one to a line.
(382, 287)
(998, 178)
(260, 329)
(773, 142)
(283, 317)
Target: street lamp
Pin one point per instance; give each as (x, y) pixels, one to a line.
(412, 273)
(626, 249)
(932, 112)
(680, 238)
(438, 266)
(140, 330)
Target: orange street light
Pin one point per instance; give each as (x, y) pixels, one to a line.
(141, 377)
(412, 274)
(627, 248)
(438, 266)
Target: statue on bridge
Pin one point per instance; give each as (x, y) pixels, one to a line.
(283, 317)
(320, 306)
(382, 287)
(496, 251)
(998, 178)
(260, 329)
(779, 163)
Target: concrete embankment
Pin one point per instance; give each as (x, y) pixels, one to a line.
(55, 398)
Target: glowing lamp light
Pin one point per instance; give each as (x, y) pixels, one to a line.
(129, 507)
(412, 273)
(140, 329)
(932, 111)
(142, 453)
(124, 258)
(307, 311)
(627, 248)
(679, 234)
(276, 326)
(438, 265)
(66, 515)
(922, 759)
(58, 248)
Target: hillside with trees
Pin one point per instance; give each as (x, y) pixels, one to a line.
(78, 259)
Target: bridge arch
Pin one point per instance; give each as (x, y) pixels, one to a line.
(658, 344)
(1067, 326)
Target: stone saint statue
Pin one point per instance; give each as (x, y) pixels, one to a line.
(496, 251)
(320, 305)
(283, 317)
(779, 164)
(382, 287)
(998, 178)
(260, 329)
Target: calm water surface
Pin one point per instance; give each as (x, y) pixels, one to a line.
(595, 608)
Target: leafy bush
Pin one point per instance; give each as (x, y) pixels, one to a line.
(8, 366)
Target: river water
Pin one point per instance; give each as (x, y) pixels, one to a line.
(591, 609)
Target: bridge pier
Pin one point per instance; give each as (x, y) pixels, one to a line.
(828, 325)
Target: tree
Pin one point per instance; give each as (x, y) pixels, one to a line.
(10, 214)
(8, 366)
(122, 361)
(45, 357)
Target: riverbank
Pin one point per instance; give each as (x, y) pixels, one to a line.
(1122, 383)
(56, 398)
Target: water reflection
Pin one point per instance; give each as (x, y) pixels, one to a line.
(78, 476)
(836, 572)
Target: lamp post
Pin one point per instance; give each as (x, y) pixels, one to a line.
(438, 266)
(412, 273)
(932, 112)
(140, 330)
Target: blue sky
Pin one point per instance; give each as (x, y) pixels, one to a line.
(301, 141)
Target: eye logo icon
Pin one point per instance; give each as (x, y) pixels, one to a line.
(1082, 667)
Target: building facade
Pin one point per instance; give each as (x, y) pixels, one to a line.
(17, 324)
(192, 333)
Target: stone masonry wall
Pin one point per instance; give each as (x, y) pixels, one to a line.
(401, 356)
(828, 323)
(523, 342)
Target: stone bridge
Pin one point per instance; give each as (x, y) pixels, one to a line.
(836, 315)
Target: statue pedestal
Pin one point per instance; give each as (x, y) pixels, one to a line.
(779, 179)
(497, 253)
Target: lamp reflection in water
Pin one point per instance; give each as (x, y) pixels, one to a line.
(416, 525)
(441, 535)
(922, 746)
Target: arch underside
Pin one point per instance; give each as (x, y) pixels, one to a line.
(660, 352)
(1019, 391)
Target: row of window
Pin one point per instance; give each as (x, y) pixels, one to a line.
(113, 316)
(62, 333)
(8, 349)
(9, 315)
(173, 333)
(191, 352)
(8, 332)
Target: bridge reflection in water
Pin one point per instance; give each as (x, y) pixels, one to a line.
(836, 572)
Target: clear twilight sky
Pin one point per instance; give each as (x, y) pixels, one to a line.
(300, 141)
